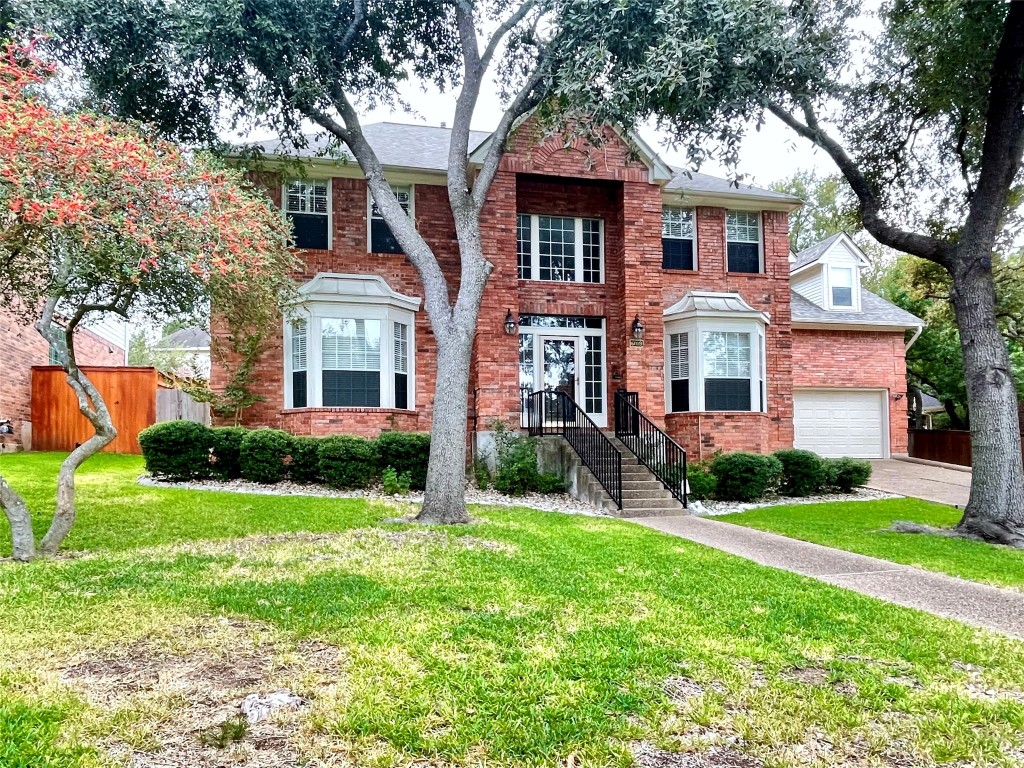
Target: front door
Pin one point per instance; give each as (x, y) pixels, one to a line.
(559, 366)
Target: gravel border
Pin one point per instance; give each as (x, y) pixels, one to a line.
(555, 502)
(717, 508)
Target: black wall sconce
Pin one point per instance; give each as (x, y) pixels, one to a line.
(510, 323)
(638, 328)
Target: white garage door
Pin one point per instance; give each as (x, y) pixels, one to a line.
(840, 422)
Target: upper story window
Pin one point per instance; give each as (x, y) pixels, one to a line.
(307, 205)
(677, 238)
(560, 248)
(380, 238)
(743, 242)
(841, 282)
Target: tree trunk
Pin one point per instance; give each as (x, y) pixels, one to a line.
(20, 520)
(444, 502)
(955, 422)
(995, 511)
(916, 405)
(91, 405)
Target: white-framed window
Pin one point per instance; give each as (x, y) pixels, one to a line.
(350, 356)
(560, 248)
(307, 203)
(715, 365)
(59, 349)
(678, 238)
(379, 238)
(841, 286)
(743, 245)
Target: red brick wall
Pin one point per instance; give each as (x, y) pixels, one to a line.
(23, 347)
(768, 292)
(856, 359)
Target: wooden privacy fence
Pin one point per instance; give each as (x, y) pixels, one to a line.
(952, 446)
(175, 404)
(58, 425)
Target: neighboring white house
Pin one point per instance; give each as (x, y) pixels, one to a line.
(189, 348)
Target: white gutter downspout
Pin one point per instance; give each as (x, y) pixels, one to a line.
(917, 334)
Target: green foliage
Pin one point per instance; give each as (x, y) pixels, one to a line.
(225, 734)
(265, 455)
(305, 466)
(395, 484)
(177, 450)
(347, 461)
(517, 471)
(481, 473)
(32, 736)
(702, 482)
(408, 453)
(829, 207)
(226, 450)
(803, 472)
(846, 474)
(746, 476)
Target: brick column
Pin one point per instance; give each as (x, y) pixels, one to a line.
(641, 292)
(496, 354)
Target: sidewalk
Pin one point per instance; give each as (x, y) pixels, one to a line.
(994, 608)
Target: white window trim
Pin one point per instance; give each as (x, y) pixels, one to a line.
(578, 235)
(760, 240)
(330, 205)
(539, 333)
(369, 211)
(696, 330)
(696, 258)
(314, 313)
(854, 288)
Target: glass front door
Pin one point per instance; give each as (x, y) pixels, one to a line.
(559, 366)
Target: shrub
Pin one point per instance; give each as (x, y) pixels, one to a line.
(226, 443)
(702, 483)
(265, 454)
(482, 473)
(408, 453)
(346, 461)
(803, 472)
(394, 483)
(305, 466)
(846, 473)
(177, 450)
(745, 476)
(551, 482)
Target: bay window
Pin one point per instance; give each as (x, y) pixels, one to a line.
(350, 345)
(743, 242)
(725, 372)
(677, 238)
(679, 372)
(727, 368)
(560, 248)
(307, 205)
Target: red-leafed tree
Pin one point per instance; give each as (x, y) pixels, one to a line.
(98, 216)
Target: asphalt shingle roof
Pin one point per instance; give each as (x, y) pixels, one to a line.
(813, 253)
(690, 181)
(186, 338)
(874, 311)
(420, 147)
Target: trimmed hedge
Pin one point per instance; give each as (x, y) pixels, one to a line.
(406, 452)
(745, 476)
(305, 466)
(803, 472)
(346, 461)
(846, 474)
(265, 455)
(702, 483)
(177, 450)
(226, 452)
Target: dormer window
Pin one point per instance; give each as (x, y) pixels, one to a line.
(841, 282)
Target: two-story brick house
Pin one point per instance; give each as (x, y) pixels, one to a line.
(588, 243)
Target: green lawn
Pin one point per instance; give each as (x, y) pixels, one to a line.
(859, 526)
(523, 639)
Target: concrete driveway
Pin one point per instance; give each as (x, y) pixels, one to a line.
(922, 481)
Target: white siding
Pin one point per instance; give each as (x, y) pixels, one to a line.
(811, 286)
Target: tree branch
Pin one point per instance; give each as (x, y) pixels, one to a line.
(924, 246)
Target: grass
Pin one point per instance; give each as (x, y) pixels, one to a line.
(859, 526)
(523, 639)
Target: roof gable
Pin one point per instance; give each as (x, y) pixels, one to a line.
(838, 244)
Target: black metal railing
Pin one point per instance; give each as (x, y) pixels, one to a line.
(552, 412)
(651, 446)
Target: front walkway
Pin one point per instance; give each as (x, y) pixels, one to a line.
(984, 606)
(922, 481)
